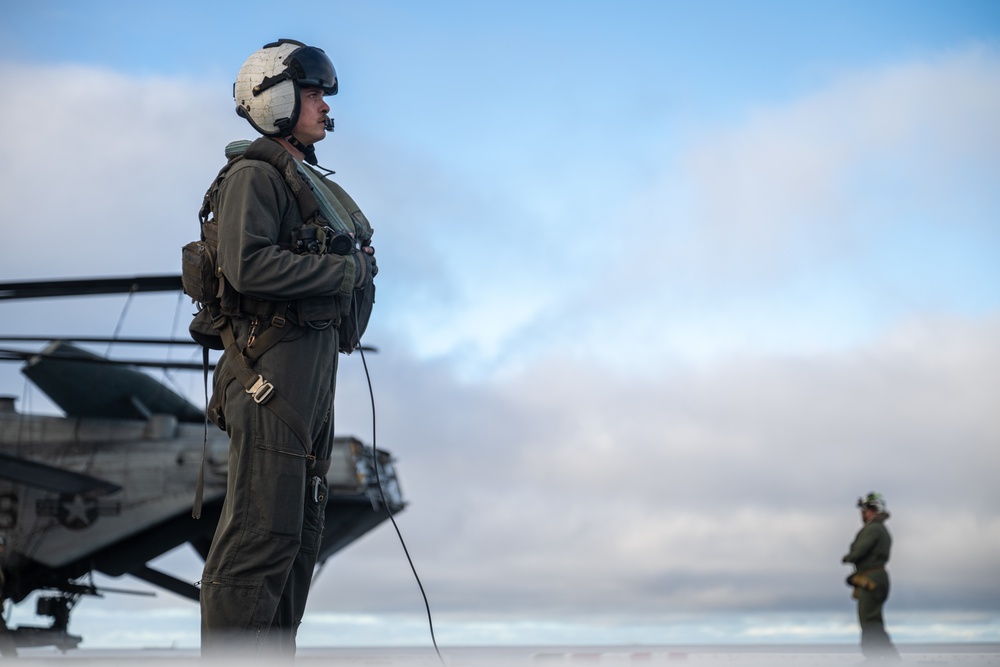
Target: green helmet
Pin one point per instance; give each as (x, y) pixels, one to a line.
(873, 501)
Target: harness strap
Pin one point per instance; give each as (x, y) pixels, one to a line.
(271, 336)
(266, 150)
(199, 494)
(262, 391)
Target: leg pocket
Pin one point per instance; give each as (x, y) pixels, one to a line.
(277, 488)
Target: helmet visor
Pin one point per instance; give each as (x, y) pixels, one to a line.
(310, 67)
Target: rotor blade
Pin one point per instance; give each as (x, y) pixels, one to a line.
(123, 591)
(20, 355)
(126, 341)
(81, 286)
(167, 582)
(94, 339)
(89, 589)
(83, 384)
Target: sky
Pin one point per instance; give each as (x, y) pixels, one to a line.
(664, 287)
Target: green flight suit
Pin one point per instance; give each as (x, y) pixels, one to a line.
(259, 569)
(869, 553)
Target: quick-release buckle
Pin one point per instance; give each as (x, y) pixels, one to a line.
(261, 390)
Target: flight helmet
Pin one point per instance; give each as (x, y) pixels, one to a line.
(873, 501)
(267, 87)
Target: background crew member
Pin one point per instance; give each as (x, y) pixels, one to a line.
(869, 553)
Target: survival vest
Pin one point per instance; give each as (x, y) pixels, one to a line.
(322, 231)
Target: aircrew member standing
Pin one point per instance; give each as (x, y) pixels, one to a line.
(294, 297)
(869, 553)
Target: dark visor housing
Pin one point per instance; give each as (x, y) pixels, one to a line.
(307, 66)
(310, 67)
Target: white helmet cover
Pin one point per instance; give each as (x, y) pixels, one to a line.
(873, 501)
(267, 87)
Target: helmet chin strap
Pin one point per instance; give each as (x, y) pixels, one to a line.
(309, 152)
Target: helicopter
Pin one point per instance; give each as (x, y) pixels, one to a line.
(109, 485)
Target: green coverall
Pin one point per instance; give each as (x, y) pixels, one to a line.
(869, 553)
(258, 571)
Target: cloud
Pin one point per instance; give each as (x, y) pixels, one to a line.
(106, 171)
(566, 490)
(805, 223)
(589, 427)
(811, 223)
(807, 175)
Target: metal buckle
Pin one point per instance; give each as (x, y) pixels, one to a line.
(261, 390)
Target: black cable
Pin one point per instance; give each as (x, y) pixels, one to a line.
(385, 503)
